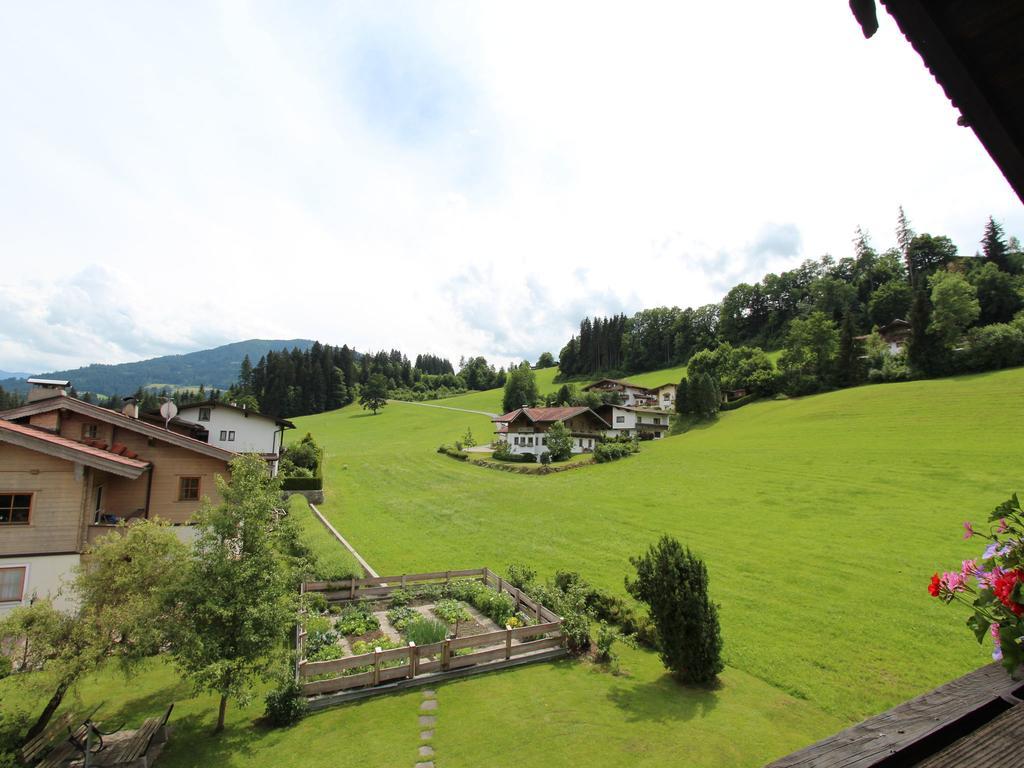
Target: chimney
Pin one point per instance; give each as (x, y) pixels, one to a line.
(131, 408)
(43, 389)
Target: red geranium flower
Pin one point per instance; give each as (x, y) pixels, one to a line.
(1003, 588)
(933, 587)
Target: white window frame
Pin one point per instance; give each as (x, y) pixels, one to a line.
(204, 414)
(25, 569)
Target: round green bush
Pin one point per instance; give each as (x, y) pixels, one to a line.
(285, 705)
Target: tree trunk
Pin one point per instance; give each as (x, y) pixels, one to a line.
(51, 707)
(220, 716)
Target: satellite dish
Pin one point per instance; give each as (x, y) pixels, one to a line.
(168, 410)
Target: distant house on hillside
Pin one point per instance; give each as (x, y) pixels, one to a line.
(896, 335)
(71, 470)
(239, 429)
(630, 421)
(661, 396)
(525, 429)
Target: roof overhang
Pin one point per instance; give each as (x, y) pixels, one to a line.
(125, 468)
(118, 420)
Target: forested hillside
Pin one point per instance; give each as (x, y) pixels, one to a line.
(965, 312)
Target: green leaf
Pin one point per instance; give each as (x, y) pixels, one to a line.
(979, 625)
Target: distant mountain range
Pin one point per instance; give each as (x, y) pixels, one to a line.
(14, 375)
(215, 368)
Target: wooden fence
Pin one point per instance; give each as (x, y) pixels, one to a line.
(436, 659)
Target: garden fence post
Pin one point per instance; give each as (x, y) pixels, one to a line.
(447, 576)
(403, 581)
(351, 589)
(501, 585)
(483, 575)
(414, 657)
(508, 642)
(446, 653)
(376, 665)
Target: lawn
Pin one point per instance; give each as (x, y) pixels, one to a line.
(821, 519)
(332, 559)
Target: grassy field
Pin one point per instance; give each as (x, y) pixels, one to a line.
(332, 558)
(820, 519)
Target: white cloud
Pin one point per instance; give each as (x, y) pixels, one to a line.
(441, 178)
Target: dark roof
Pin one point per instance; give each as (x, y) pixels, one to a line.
(548, 415)
(973, 49)
(620, 382)
(923, 728)
(121, 462)
(247, 411)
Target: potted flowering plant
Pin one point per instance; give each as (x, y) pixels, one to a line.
(993, 584)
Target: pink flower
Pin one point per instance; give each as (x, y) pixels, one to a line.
(968, 529)
(1003, 527)
(997, 647)
(969, 568)
(953, 581)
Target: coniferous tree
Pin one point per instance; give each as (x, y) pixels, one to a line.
(847, 359)
(993, 245)
(673, 583)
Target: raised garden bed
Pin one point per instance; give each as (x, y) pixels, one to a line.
(362, 644)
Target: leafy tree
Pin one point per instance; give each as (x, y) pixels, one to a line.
(374, 394)
(889, 302)
(546, 360)
(925, 352)
(673, 583)
(807, 363)
(954, 306)
(559, 442)
(468, 440)
(235, 601)
(998, 293)
(120, 613)
(993, 245)
(566, 395)
(520, 388)
(927, 255)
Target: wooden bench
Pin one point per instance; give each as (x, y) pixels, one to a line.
(53, 746)
(140, 749)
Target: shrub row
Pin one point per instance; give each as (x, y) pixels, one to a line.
(611, 451)
(302, 484)
(739, 402)
(447, 450)
(499, 608)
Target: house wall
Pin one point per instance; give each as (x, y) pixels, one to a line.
(253, 433)
(667, 397)
(121, 496)
(170, 464)
(58, 496)
(520, 437)
(623, 427)
(43, 577)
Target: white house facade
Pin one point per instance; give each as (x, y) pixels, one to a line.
(239, 429)
(525, 429)
(629, 421)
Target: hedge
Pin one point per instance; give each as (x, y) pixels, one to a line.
(739, 402)
(447, 450)
(302, 484)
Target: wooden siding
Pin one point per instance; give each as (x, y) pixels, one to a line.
(170, 464)
(49, 420)
(58, 495)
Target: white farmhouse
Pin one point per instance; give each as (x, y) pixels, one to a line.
(526, 429)
(645, 423)
(239, 429)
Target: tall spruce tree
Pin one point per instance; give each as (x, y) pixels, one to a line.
(847, 360)
(993, 245)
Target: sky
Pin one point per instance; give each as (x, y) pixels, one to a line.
(447, 178)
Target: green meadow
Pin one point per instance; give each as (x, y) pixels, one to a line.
(820, 519)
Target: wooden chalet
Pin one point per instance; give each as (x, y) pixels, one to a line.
(525, 429)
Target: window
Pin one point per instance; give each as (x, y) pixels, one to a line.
(204, 414)
(12, 584)
(88, 431)
(15, 508)
(223, 435)
(529, 441)
(543, 441)
(657, 420)
(620, 419)
(188, 489)
(231, 436)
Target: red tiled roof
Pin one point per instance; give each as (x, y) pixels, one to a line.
(86, 451)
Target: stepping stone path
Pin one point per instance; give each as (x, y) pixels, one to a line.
(426, 752)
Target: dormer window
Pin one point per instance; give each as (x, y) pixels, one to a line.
(89, 431)
(204, 414)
